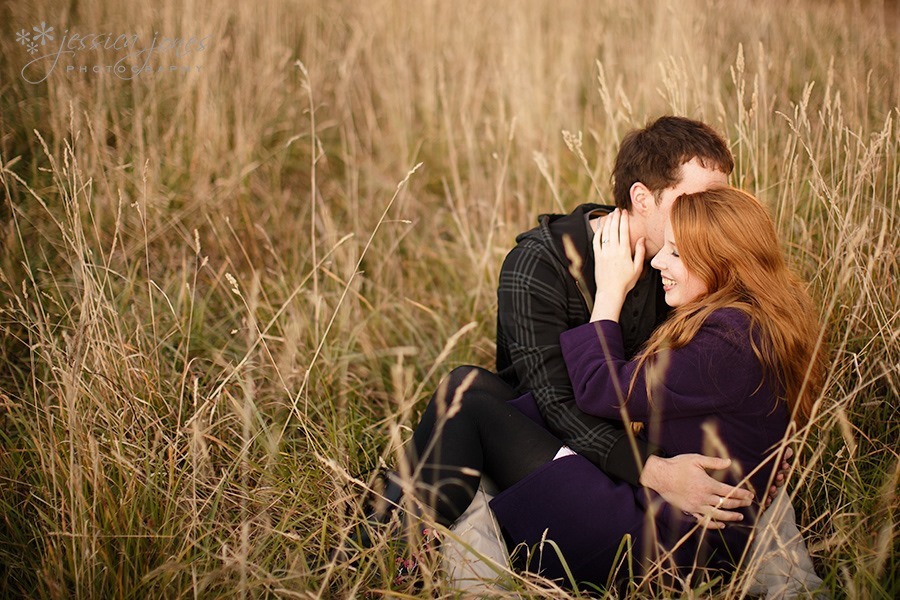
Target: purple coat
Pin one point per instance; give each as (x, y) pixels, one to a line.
(713, 400)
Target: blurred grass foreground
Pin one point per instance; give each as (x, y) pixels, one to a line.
(225, 295)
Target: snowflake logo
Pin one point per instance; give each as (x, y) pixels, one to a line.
(32, 48)
(23, 37)
(42, 35)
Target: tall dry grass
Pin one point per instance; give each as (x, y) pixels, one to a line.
(219, 306)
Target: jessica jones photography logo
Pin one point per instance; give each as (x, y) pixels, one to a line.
(123, 55)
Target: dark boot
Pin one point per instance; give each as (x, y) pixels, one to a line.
(379, 509)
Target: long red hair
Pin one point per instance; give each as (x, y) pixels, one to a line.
(727, 239)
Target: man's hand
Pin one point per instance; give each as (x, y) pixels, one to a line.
(683, 482)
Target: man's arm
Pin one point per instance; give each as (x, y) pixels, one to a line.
(532, 309)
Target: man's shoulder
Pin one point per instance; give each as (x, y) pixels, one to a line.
(555, 224)
(546, 239)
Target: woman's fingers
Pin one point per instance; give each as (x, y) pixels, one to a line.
(607, 228)
(624, 233)
(598, 235)
(640, 250)
(614, 230)
(617, 224)
(604, 234)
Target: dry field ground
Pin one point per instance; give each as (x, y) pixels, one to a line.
(225, 294)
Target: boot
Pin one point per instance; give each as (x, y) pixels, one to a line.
(379, 509)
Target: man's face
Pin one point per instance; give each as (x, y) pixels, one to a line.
(694, 178)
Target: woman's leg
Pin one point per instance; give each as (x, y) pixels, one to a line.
(469, 429)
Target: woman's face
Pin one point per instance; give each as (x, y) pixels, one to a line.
(680, 284)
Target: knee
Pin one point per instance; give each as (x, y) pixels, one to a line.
(471, 382)
(456, 386)
(469, 385)
(468, 376)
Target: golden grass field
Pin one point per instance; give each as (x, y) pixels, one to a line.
(225, 294)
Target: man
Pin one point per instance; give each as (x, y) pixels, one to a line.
(547, 287)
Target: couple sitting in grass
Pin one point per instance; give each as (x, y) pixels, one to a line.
(709, 350)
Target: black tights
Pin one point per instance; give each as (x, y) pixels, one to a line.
(486, 436)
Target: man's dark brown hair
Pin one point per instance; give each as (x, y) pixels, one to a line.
(654, 155)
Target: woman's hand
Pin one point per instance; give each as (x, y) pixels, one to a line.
(615, 269)
(781, 476)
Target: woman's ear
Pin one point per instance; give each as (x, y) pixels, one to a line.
(642, 199)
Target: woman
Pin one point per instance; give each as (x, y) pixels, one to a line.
(734, 363)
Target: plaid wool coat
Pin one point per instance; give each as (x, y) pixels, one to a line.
(547, 287)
